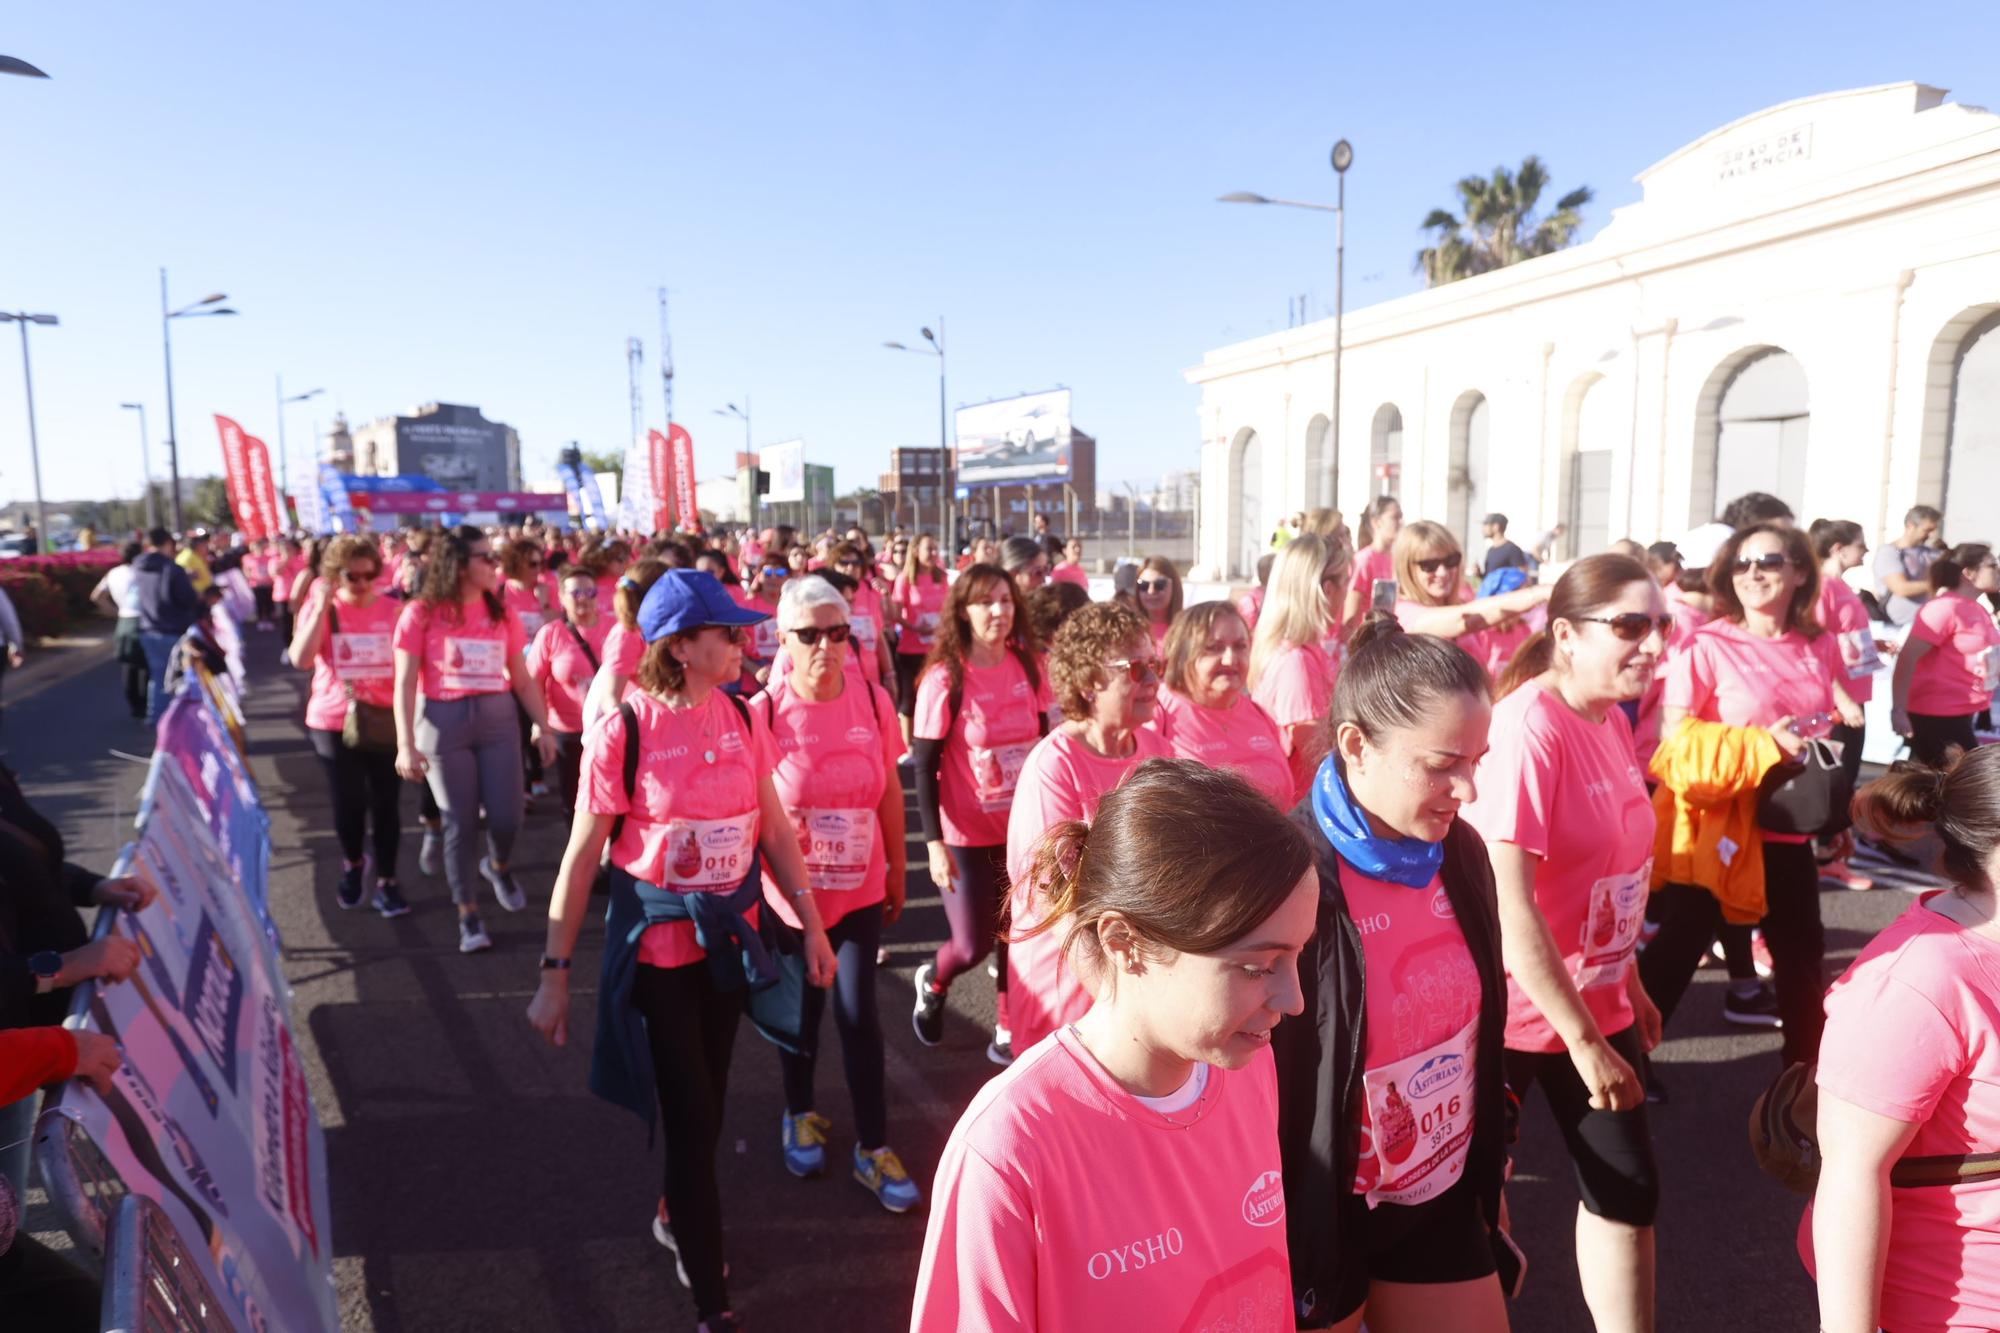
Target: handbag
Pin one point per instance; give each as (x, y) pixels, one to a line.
(370, 728)
(1784, 1138)
(1807, 797)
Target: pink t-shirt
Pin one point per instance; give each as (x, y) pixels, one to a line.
(1370, 565)
(866, 619)
(1687, 616)
(1959, 674)
(762, 641)
(1502, 642)
(462, 649)
(362, 655)
(607, 589)
(1727, 674)
(998, 722)
(524, 603)
(1062, 779)
(1422, 1026)
(1296, 685)
(623, 647)
(1251, 605)
(1068, 573)
(835, 759)
(1158, 629)
(1843, 615)
(692, 825)
(1548, 765)
(1913, 1033)
(1241, 738)
(922, 606)
(256, 569)
(1062, 1202)
(284, 574)
(564, 670)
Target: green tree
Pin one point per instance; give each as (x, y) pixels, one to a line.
(601, 463)
(1496, 224)
(209, 505)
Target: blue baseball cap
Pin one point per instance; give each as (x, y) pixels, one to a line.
(687, 599)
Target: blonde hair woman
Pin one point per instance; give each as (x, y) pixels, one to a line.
(1292, 667)
(1432, 597)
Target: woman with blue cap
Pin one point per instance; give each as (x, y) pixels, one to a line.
(679, 782)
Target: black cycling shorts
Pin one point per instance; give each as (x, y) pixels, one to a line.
(1443, 1239)
(1611, 1150)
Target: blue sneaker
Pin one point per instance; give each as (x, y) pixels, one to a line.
(804, 1138)
(881, 1173)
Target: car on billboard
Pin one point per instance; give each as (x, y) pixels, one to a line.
(1015, 439)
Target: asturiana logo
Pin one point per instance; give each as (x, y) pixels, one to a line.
(1437, 1072)
(1264, 1204)
(725, 839)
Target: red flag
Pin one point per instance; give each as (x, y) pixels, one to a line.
(263, 487)
(236, 478)
(682, 450)
(662, 469)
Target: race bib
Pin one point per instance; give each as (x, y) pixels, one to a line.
(710, 855)
(1420, 1115)
(864, 630)
(1987, 668)
(474, 666)
(1611, 932)
(996, 771)
(928, 622)
(1857, 649)
(362, 658)
(764, 640)
(838, 845)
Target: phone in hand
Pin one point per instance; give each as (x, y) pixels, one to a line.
(1813, 726)
(1382, 597)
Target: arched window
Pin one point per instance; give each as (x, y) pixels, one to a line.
(1321, 465)
(1750, 431)
(1466, 490)
(1247, 535)
(1972, 457)
(1385, 451)
(1590, 428)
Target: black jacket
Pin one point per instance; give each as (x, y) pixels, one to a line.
(40, 898)
(1319, 1056)
(168, 603)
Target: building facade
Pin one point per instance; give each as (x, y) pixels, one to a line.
(447, 442)
(918, 477)
(1806, 302)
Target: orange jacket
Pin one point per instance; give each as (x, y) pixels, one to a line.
(1705, 809)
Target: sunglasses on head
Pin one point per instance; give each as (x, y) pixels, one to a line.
(810, 635)
(1771, 562)
(1633, 626)
(1155, 585)
(1432, 564)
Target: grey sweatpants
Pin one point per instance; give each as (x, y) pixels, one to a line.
(473, 746)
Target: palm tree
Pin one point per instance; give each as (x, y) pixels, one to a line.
(1496, 225)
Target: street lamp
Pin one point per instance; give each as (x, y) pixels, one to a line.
(145, 465)
(936, 341)
(207, 305)
(1342, 158)
(743, 414)
(34, 446)
(284, 481)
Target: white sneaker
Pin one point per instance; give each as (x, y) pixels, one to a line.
(505, 891)
(472, 937)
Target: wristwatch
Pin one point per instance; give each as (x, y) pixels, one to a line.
(45, 965)
(551, 964)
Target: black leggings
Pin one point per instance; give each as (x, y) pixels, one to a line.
(1611, 1150)
(691, 1028)
(531, 758)
(364, 785)
(1689, 916)
(854, 938)
(1932, 736)
(265, 606)
(569, 767)
(974, 912)
(908, 667)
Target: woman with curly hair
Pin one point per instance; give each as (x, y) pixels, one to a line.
(1106, 676)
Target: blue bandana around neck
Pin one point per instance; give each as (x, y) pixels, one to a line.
(1411, 862)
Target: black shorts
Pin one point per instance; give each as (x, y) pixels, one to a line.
(1611, 1150)
(908, 667)
(1444, 1239)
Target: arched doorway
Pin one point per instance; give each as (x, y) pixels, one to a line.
(1385, 451)
(1751, 427)
(1466, 493)
(1322, 467)
(1972, 455)
(1590, 426)
(1246, 516)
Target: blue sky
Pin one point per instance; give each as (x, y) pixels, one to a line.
(476, 202)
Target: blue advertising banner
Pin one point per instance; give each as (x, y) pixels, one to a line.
(193, 735)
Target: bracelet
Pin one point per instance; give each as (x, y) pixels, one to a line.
(553, 964)
(796, 894)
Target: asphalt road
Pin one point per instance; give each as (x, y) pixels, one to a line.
(476, 1184)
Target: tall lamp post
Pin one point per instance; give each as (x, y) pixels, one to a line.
(743, 414)
(1342, 158)
(207, 305)
(284, 480)
(145, 465)
(936, 341)
(34, 445)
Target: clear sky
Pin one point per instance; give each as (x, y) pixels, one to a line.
(475, 203)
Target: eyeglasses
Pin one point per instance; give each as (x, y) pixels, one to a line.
(1154, 585)
(1771, 562)
(1432, 564)
(810, 635)
(733, 633)
(1633, 626)
(368, 576)
(1143, 670)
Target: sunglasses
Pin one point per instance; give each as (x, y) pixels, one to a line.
(352, 577)
(1432, 564)
(847, 564)
(1633, 626)
(486, 556)
(777, 571)
(588, 594)
(1154, 585)
(1143, 670)
(810, 635)
(1771, 563)
(733, 633)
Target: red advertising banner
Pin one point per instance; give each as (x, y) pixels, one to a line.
(681, 448)
(236, 478)
(662, 468)
(263, 486)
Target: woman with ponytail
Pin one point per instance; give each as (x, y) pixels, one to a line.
(1393, 1116)
(1292, 673)
(1380, 522)
(1904, 1231)
(1571, 905)
(1125, 1173)
(1950, 664)
(624, 645)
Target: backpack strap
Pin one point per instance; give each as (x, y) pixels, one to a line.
(631, 763)
(589, 654)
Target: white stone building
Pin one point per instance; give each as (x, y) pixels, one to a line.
(1806, 301)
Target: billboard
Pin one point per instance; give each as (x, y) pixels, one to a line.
(787, 465)
(1015, 440)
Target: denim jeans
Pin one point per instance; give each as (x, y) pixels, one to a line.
(159, 650)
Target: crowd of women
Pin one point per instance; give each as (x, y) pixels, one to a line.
(1289, 900)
